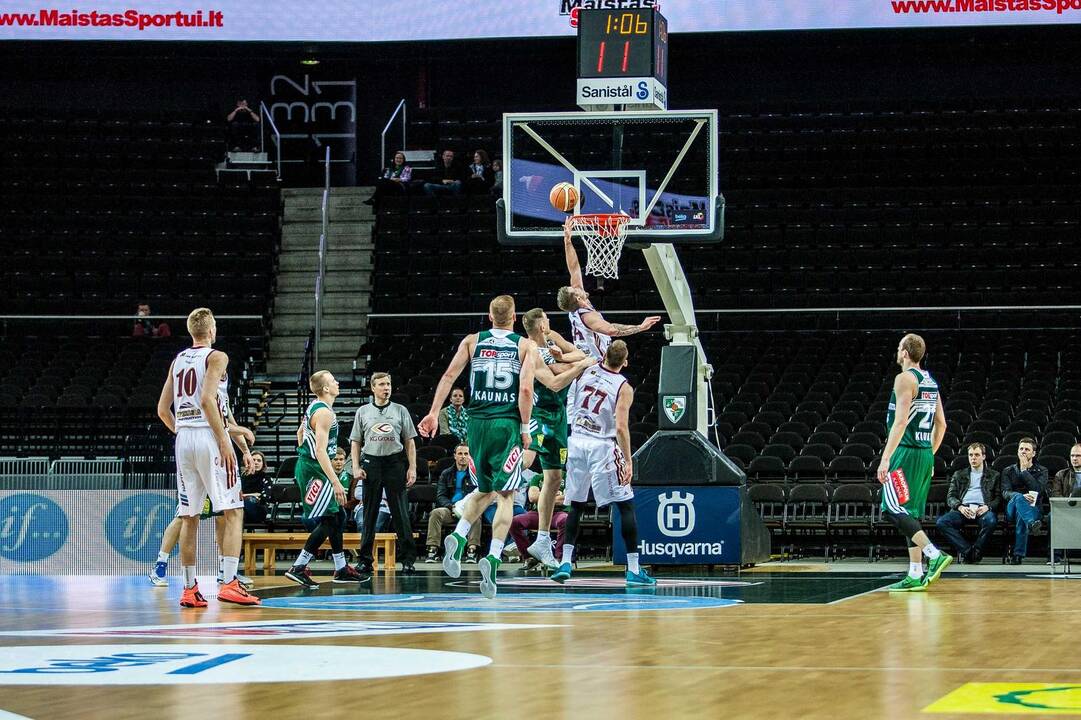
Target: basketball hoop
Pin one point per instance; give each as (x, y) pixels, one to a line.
(603, 235)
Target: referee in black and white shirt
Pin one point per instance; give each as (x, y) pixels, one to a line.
(385, 458)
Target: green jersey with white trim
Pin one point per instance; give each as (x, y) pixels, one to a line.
(921, 414)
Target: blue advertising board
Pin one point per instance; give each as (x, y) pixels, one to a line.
(683, 525)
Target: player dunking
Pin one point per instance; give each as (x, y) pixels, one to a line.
(205, 463)
(321, 493)
(557, 364)
(501, 400)
(599, 456)
(917, 425)
(590, 332)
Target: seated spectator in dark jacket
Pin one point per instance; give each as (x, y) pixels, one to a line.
(974, 497)
(1024, 488)
(395, 178)
(256, 487)
(497, 177)
(145, 327)
(481, 175)
(446, 178)
(454, 484)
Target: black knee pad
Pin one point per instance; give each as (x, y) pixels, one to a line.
(905, 524)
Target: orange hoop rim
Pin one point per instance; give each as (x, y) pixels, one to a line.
(609, 223)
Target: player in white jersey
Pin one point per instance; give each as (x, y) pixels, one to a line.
(599, 457)
(590, 332)
(191, 405)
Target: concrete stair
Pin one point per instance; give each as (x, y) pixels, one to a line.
(348, 282)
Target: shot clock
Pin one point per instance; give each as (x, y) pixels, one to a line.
(622, 58)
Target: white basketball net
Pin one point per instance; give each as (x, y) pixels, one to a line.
(603, 236)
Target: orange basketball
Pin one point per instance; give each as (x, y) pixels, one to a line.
(563, 197)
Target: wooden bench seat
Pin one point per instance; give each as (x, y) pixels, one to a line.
(269, 542)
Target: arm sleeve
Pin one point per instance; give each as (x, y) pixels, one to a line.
(953, 497)
(442, 488)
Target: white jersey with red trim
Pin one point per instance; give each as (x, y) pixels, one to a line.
(595, 394)
(590, 342)
(189, 374)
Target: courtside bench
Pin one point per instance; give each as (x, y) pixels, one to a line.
(269, 542)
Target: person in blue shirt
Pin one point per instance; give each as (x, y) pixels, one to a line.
(454, 484)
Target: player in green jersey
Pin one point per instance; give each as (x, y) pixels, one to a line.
(917, 424)
(321, 492)
(557, 363)
(501, 381)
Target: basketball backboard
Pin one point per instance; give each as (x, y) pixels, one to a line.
(659, 168)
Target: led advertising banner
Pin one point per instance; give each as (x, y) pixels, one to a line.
(91, 532)
(398, 20)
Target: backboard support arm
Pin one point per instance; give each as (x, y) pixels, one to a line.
(672, 285)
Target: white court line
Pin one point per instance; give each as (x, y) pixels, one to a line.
(801, 669)
(850, 597)
(5, 715)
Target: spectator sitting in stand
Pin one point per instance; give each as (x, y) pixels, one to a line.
(974, 496)
(454, 417)
(522, 524)
(394, 180)
(1024, 488)
(256, 486)
(446, 178)
(242, 123)
(145, 327)
(454, 484)
(481, 175)
(497, 177)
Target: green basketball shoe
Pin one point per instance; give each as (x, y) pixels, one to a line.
(908, 584)
(935, 568)
(488, 567)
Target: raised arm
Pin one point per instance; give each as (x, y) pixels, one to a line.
(562, 349)
(556, 382)
(165, 402)
(596, 322)
(429, 426)
(904, 389)
(574, 268)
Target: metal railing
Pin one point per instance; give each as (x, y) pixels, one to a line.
(383, 135)
(277, 136)
(66, 473)
(320, 278)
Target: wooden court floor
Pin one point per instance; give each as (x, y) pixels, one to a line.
(757, 645)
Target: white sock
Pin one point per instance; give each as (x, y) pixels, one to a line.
(544, 535)
(931, 552)
(462, 528)
(568, 553)
(339, 561)
(221, 570)
(303, 559)
(163, 557)
(189, 576)
(632, 563)
(915, 569)
(496, 548)
(228, 569)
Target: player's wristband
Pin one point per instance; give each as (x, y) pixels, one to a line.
(525, 428)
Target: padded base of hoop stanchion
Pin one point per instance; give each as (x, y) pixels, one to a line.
(633, 242)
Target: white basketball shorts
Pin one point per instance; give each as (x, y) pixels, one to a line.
(595, 462)
(200, 473)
